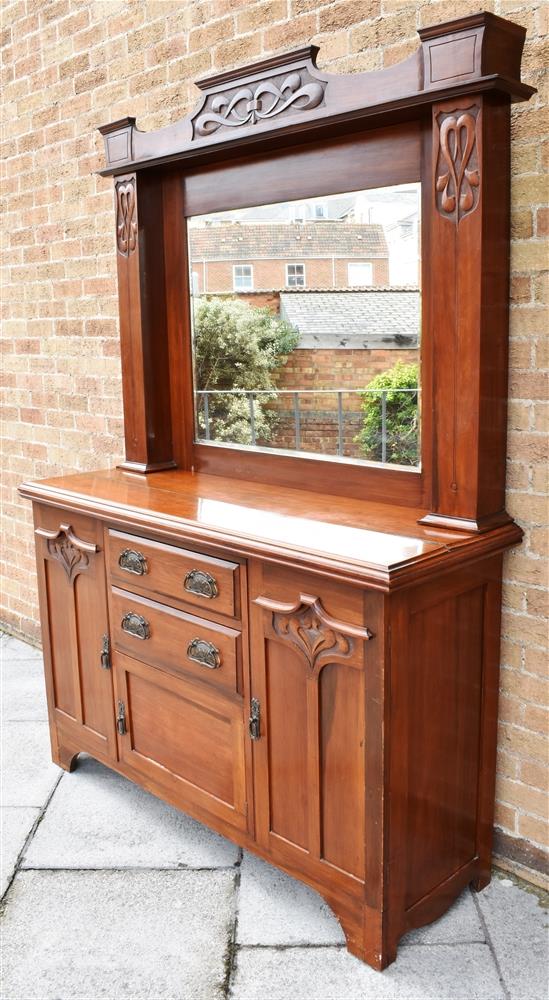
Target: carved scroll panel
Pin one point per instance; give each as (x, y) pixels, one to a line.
(256, 102)
(457, 173)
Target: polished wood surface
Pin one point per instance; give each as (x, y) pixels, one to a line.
(304, 654)
(380, 544)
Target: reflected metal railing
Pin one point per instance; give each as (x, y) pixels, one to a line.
(252, 395)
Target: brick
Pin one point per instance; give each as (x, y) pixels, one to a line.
(521, 225)
(346, 14)
(260, 15)
(528, 255)
(542, 221)
(298, 31)
(505, 816)
(534, 829)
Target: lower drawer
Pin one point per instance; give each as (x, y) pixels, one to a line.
(177, 642)
(183, 737)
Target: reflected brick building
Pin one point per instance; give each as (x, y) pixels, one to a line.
(266, 256)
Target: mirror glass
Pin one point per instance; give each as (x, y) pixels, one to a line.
(306, 326)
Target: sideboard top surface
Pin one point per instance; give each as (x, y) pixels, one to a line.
(364, 540)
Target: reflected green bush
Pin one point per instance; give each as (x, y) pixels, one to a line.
(402, 416)
(238, 346)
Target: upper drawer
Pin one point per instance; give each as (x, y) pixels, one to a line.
(167, 571)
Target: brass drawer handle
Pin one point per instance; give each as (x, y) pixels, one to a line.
(136, 625)
(133, 562)
(205, 653)
(201, 583)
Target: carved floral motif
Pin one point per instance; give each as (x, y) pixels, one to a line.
(313, 638)
(457, 176)
(72, 558)
(250, 105)
(126, 217)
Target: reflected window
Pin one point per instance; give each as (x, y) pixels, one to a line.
(295, 275)
(359, 274)
(306, 338)
(243, 277)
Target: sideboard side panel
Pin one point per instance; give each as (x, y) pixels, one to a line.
(451, 657)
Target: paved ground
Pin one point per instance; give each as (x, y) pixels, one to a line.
(111, 893)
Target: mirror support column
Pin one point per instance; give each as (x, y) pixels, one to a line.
(469, 294)
(142, 298)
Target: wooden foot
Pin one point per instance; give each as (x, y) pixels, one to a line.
(480, 883)
(66, 758)
(367, 937)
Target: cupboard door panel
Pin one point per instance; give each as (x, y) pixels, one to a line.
(184, 737)
(308, 673)
(73, 604)
(342, 766)
(287, 714)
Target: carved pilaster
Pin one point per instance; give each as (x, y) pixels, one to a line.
(468, 292)
(142, 303)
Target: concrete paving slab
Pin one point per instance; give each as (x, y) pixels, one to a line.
(127, 935)
(16, 824)
(28, 774)
(23, 691)
(518, 928)
(98, 819)
(274, 909)
(16, 649)
(440, 972)
(461, 923)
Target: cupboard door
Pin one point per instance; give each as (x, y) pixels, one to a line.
(183, 737)
(308, 653)
(73, 606)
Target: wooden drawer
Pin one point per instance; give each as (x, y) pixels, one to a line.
(182, 737)
(175, 641)
(167, 571)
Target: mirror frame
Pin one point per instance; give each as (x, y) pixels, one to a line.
(282, 129)
(352, 163)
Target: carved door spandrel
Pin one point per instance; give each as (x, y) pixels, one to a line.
(309, 759)
(73, 606)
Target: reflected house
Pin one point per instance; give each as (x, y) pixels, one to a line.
(270, 256)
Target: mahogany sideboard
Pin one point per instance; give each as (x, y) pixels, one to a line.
(302, 654)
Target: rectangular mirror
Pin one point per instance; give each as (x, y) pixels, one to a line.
(306, 324)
